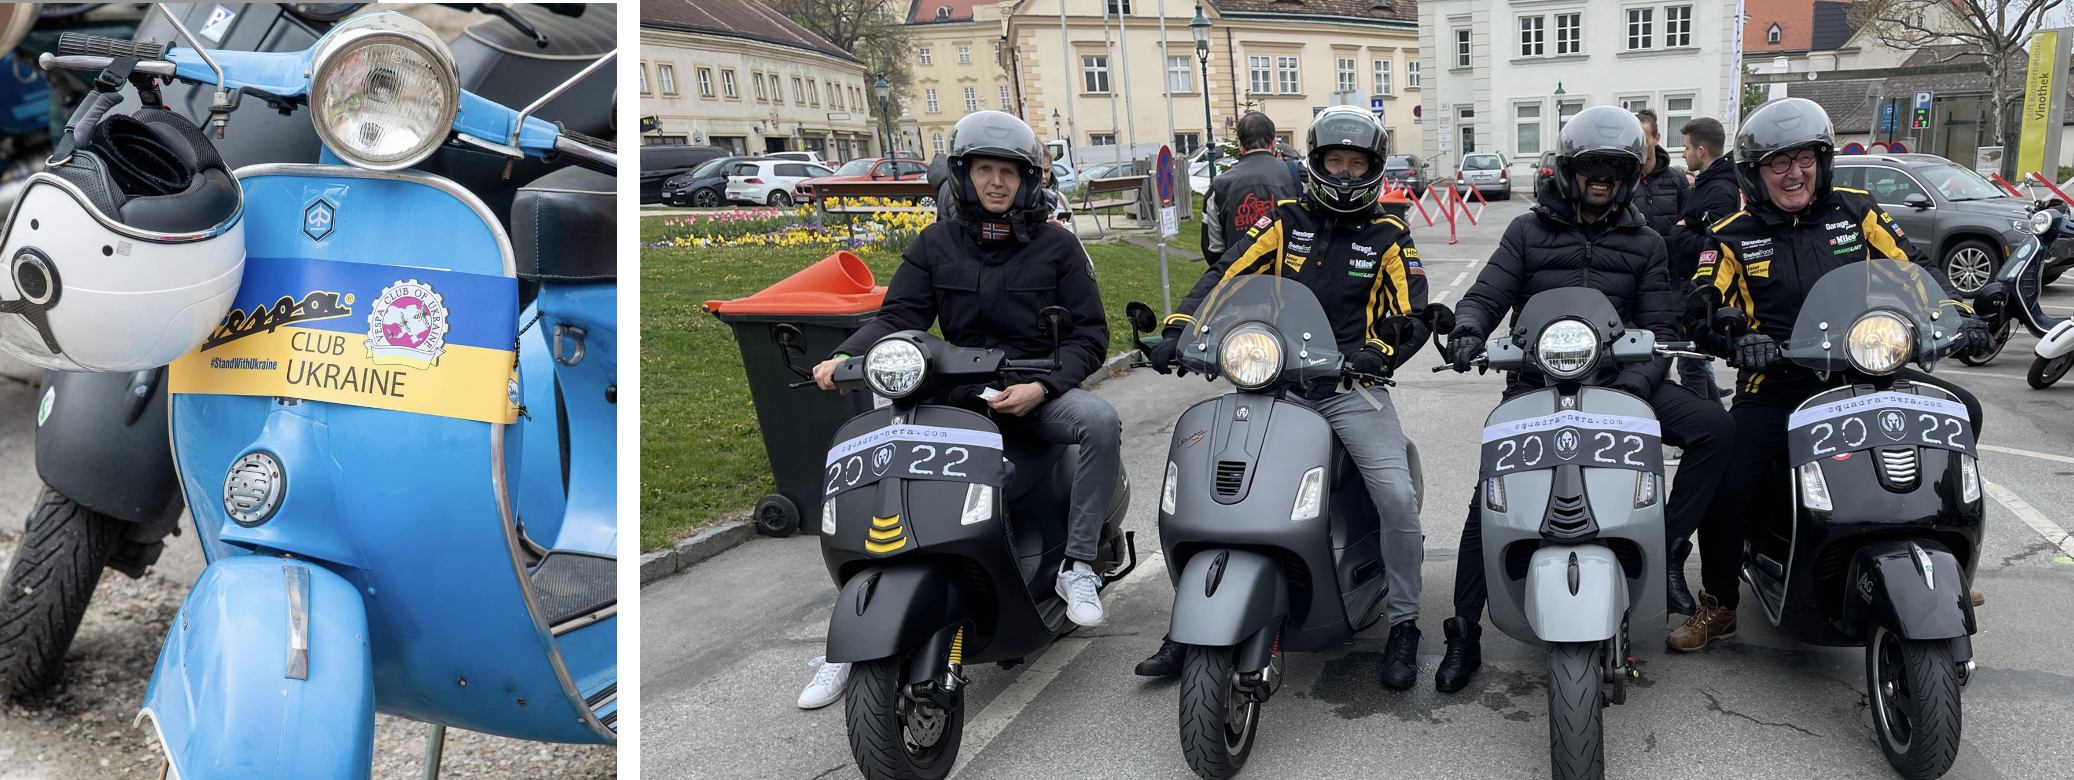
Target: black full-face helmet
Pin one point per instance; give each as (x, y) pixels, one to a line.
(1003, 137)
(1345, 127)
(1597, 135)
(1784, 125)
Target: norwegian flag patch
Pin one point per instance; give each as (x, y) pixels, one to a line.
(1708, 257)
(994, 231)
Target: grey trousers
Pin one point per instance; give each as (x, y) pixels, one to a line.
(1376, 442)
(1083, 418)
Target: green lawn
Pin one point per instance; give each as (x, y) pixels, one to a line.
(701, 452)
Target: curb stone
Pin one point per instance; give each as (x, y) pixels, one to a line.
(1115, 366)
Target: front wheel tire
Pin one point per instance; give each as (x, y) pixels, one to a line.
(1914, 687)
(65, 547)
(1576, 711)
(705, 199)
(892, 737)
(779, 199)
(2045, 371)
(1218, 719)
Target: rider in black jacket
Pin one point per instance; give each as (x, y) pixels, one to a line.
(1584, 233)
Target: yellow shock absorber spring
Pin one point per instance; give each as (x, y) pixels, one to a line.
(958, 646)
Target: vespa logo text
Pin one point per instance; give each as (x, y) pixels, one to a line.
(315, 305)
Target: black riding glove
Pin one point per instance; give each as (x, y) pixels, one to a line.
(1370, 361)
(1463, 345)
(1756, 351)
(1162, 357)
(1974, 332)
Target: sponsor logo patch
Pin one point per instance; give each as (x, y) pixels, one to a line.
(1708, 257)
(1837, 225)
(1263, 222)
(1357, 247)
(1757, 242)
(1414, 268)
(1253, 210)
(1757, 254)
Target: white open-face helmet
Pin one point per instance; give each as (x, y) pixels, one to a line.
(126, 253)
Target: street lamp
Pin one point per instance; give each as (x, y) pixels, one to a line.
(1057, 131)
(884, 92)
(1560, 119)
(1200, 28)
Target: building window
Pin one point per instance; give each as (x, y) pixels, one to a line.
(1094, 74)
(1640, 27)
(727, 85)
(1461, 48)
(1119, 7)
(971, 100)
(1677, 111)
(668, 78)
(813, 92)
(1411, 74)
(1565, 110)
(1346, 75)
(1180, 79)
(1468, 139)
(964, 55)
(1101, 139)
(1261, 75)
(1004, 97)
(1286, 81)
(835, 96)
(1527, 129)
(936, 143)
(1569, 34)
(1186, 143)
(1678, 25)
(799, 91)
(777, 89)
(929, 99)
(1382, 77)
(644, 78)
(1772, 36)
(997, 51)
(924, 51)
(756, 80)
(1530, 36)
(705, 82)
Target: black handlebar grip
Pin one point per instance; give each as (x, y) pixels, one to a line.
(83, 45)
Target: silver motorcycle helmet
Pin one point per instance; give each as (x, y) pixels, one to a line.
(1784, 125)
(1000, 136)
(1345, 127)
(1600, 134)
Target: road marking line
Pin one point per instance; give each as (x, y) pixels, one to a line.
(2032, 517)
(2025, 453)
(1459, 279)
(1438, 297)
(1988, 374)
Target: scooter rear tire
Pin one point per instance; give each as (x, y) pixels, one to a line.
(1919, 723)
(879, 735)
(64, 549)
(2045, 371)
(1208, 740)
(1576, 711)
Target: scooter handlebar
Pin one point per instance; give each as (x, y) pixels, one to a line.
(83, 45)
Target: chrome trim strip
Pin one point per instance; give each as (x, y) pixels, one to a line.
(297, 578)
(519, 126)
(172, 770)
(416, 177)
(607, 700)
(578, 622)
(156, 237)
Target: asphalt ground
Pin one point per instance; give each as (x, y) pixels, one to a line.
(725, 645)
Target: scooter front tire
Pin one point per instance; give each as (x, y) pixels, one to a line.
(1576, 711)
(2045, 371)
(1914, 688)
(1214, 745)
(64, 549)
(881, 737)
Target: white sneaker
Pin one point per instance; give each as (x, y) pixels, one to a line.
(827, 685)
(1076, 584)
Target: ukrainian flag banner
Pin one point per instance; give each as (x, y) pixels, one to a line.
(408, 339)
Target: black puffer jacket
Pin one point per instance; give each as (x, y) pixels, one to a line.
(1661, 197)
(1549, 247)
(1714, 196)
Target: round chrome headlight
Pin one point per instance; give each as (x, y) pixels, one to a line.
(1566, 349)
(1878, 343)
(1250, 357)
(383, 91)
(2041, 222)
(894, 367)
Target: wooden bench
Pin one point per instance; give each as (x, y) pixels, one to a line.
(915, 188)
(1135, 185)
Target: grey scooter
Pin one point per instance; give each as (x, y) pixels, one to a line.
(1270, 536)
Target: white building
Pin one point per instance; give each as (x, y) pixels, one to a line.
(738, 75)
(1500, 76)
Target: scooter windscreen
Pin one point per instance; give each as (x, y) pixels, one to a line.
(1874, 316)
(1257, 328)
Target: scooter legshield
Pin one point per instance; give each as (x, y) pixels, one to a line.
(1224, 596)
(883, 611)
(222, 697)
(1575, 602)
(1917, 596)
(2059, 341)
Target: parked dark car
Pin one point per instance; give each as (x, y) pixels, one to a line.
(659, 163)
(702, 187)
(1544, 169)
(1963, 224)
(1407, 170)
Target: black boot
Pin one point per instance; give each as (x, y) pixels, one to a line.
(1464, 655)
(1680, 598)
(1165, 663)
(1401, 656)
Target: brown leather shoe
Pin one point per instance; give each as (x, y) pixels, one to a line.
(1979, 599)
(1708, 623)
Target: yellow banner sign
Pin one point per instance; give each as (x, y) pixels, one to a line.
(2039, 121)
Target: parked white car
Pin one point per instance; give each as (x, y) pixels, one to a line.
(805, 157)
(769, 182)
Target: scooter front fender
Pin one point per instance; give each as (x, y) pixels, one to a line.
(266, 674)
(884, 610)
(2058, 341)
(1575, 593)
(1914, 589)
(1225, 596)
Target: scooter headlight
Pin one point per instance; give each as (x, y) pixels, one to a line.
(1878, 343)
(383, 91)
(1566, 349)
(894, 367)
(2041, 221)
(1251, 357)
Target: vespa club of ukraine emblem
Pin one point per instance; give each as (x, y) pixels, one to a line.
(408, 326)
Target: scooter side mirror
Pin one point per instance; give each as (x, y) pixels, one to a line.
(1141, 317)
(793, 343)
(1052, 321)
(1730, 320)
(1992, 304)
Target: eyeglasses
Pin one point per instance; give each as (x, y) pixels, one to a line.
(1783, 162)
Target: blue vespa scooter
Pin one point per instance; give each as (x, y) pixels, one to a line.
(349, 437)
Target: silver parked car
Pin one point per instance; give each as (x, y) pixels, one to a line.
(1485, 172)
(1963, 225)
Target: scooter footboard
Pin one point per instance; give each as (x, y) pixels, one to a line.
(266, 673)
(1915, 589)
(1575, 593)
(1225, 596)
(883, 611)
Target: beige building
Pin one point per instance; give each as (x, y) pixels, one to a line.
(738, 75)
(1110, 82)
(957, 69)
